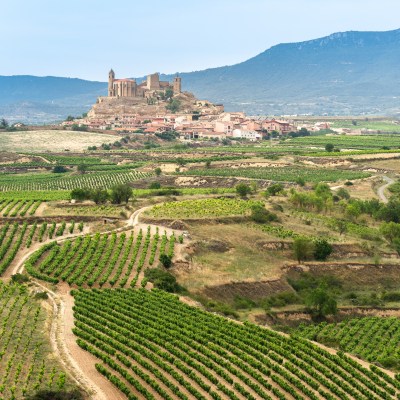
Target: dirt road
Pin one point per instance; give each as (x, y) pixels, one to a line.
(381, 189)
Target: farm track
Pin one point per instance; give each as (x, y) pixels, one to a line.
(381, 189)
(78, 362)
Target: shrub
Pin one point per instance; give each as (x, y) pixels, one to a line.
(163, 280)
(322, 249)
(303, 249)
(59, 169)
(19, 278)
(166, 260)
(242, 189)
(260, 215)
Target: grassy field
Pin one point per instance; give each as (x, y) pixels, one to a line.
(48, 140)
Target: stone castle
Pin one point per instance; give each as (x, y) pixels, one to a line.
(129, 87)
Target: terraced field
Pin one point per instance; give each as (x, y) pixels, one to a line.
(203, 208)
(100, 260)
(18, 208)
(375, 339)
(17, 237)
(102, 180)
(281, 174)
(25, 365)
(152, 346)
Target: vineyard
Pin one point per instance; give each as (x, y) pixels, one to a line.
(151, 346)
(17, 237)
(25, 365)
(375, 339)
(281, 174)
(56, 182)
(18, 208)
(100, 260)
(349, 142)
(203, 208)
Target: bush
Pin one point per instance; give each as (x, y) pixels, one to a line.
(243, 190)
(155, 185)
(59, 169)
(163, 280)
(391, 296)
(120, 193)
(41, 296)
(322, 249)
(260, 215)
(274, 189)
(303, 249)
(19, 278)
(166, 260)
(56, 395)
(243, 303)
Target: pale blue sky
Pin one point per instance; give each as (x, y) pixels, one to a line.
(84, 38)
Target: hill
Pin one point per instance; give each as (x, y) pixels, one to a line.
(344, 73)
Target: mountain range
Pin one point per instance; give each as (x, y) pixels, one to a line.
(349, 73)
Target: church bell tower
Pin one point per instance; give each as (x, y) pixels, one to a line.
(111, 77)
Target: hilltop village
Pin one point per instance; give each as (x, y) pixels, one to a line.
(154, 106)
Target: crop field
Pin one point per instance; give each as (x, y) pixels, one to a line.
(375, 339)
(37, 195)
(47, 182)
(104, 210)
(48, 140)
(383, 126)
(16, 237)
(18, 208)
(25, 365)
(281, 174)
(100, 260)
(349, 142)
(151, 346)
(203, 208)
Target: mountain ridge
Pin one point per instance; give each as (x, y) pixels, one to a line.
(352, 72)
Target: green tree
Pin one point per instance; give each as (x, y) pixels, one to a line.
(82, 168)
(121, 193)
(303, 249)
(322, 249)
(81, 194)
(99, 196)
(174, 105)
(274, 189)
(390, 230)
(261, 215)
(329, 147)
(3, 123)
(166, 260)
(243, 190)
(158, 171)
(168, 93)
(155, 185)
(321, 302)
(59, 169)
(341, 226)
(343, 194)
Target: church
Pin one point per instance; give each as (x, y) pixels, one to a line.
(129, 87)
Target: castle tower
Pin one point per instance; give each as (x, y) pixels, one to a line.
(111, 77)
(153, 81)
(177, 84)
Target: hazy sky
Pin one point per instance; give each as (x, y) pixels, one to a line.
(84, 38)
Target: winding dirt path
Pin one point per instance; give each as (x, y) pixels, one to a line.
(381, 189)
(78, 362)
